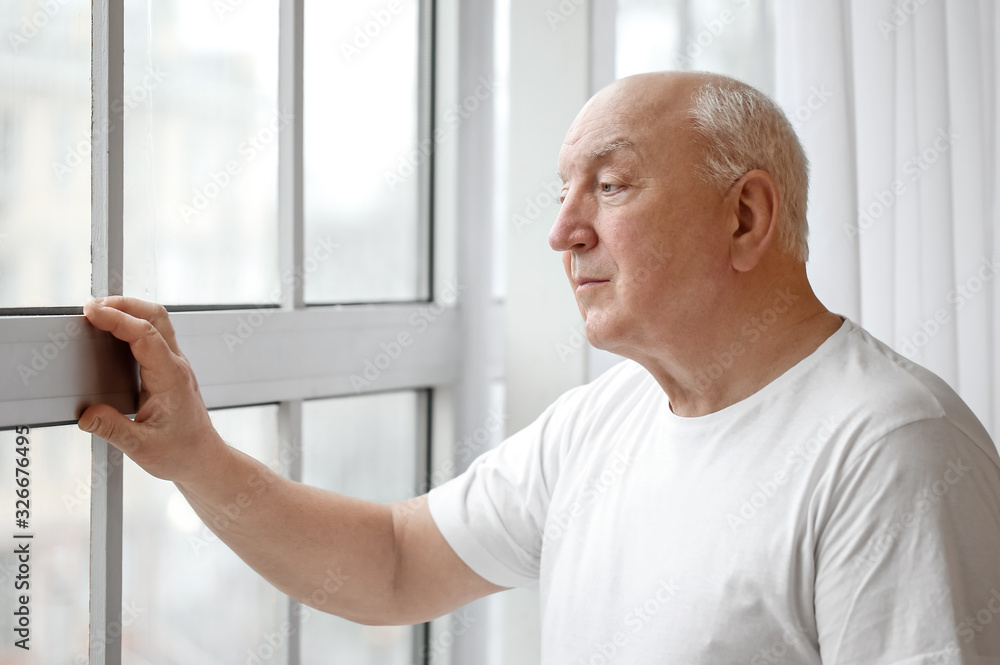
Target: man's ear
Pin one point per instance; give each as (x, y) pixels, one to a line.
(754, 204)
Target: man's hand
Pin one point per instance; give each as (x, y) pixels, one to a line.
(172, 436)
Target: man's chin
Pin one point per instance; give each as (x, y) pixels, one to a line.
(596, 332)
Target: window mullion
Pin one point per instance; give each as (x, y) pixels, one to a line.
(290, 466)
(291, 235)
(107, 72)
(422, 633)
(291, 252)
(426, 136)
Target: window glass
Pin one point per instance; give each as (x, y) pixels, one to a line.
(56, 572)
(201, 151)
(45, 154)
(364, 447)
(501, 139)
(199, 601)
(647, 36)
(361, 152)
(726, 36)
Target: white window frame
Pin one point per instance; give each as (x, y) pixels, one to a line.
(298, 352)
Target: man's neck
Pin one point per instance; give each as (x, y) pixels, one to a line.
(759, 346)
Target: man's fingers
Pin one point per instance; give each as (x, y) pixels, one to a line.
(139, 309)
(107, 423)
(149, 347)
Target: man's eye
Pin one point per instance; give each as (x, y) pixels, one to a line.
(562, 196)
(608, 188)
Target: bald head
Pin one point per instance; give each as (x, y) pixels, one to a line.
(728, 127)
(650, 96)
(654, 105)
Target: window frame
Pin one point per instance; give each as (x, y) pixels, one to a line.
(446, 363)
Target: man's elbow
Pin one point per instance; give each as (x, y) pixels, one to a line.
(376, 612)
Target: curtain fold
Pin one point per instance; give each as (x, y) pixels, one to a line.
(817, 92)
(903, 209)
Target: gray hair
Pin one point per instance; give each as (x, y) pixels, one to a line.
(742, 129)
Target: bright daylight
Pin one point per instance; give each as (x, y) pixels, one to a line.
(499, 332)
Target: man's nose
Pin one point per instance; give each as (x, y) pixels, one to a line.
(573, 228)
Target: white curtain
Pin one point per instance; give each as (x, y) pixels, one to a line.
(896, 103)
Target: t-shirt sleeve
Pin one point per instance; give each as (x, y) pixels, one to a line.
(493, 515)
(908, 553)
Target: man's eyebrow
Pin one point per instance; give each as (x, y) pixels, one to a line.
(602, 151)
(608, 148)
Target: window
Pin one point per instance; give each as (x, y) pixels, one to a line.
(44, 162)
(201, 125)
(183, 590)
(363, 183)
(266, 170)
(350, 446)
(58, 500)
(725, 36)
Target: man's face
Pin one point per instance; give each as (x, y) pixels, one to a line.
(644, 239)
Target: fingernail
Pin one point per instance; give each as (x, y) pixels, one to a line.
(90, 426)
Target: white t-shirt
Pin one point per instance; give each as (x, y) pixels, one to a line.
(848, 512)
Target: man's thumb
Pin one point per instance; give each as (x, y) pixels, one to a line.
(104, 421)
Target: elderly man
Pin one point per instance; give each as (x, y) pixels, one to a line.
(761, 482)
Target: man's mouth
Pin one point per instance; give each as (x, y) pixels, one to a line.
(589, 282)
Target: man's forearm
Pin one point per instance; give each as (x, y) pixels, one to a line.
(329, 551)
(367, 562)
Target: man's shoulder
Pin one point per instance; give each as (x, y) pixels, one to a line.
(624, 377)
(883, 379)
(882, 390)
(605, 403)
(887, 379)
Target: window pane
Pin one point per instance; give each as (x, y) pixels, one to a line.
(58, 485)
(721, 36)
(199, 601)
(201, 151)
(45, 154)
(648, 34)
(365, 447)
(361, 150)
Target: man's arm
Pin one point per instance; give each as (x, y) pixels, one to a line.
(367, 562)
